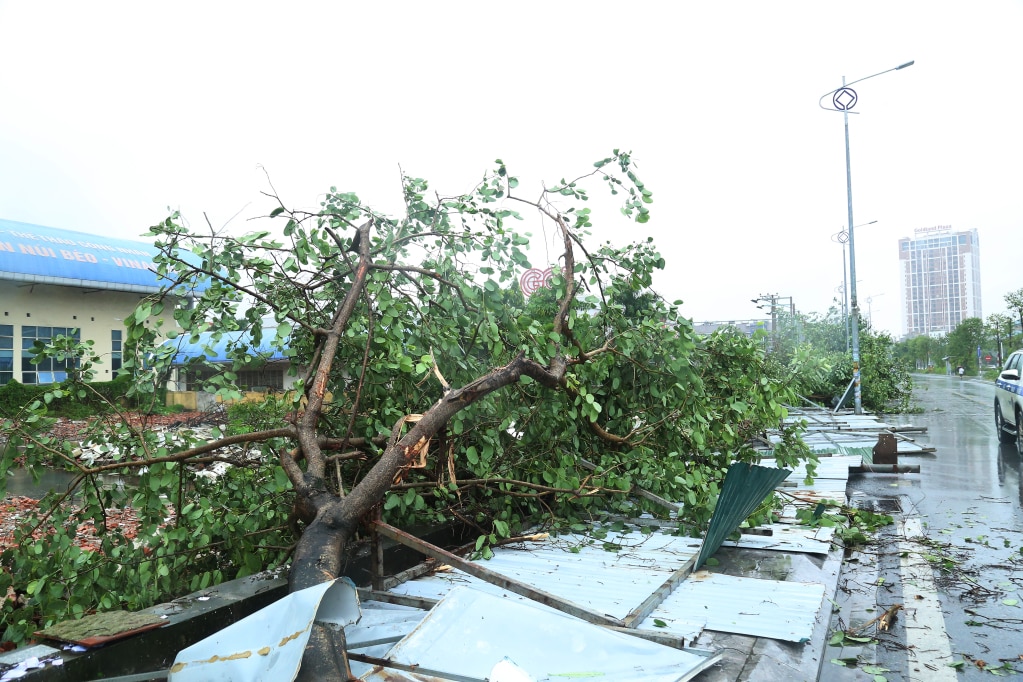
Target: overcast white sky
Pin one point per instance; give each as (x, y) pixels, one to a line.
(112, 112)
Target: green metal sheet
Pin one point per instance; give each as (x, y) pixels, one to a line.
(745, 487)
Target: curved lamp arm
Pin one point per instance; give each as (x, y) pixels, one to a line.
(830, 92)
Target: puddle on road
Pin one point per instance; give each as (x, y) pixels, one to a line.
(21, 483)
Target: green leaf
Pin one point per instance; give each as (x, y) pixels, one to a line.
(658, 623)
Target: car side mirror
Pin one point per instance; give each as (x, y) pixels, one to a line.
(1010, 375)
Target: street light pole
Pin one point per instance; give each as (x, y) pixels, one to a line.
(845, 299)
(853, 304)
(843, 238)
(844, 99)
(772, 300)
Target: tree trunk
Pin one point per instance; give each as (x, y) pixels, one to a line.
(320, 551)
(319, 558)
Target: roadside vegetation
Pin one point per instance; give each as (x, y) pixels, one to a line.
(430, 390)
(996, 336)
(97, 401)
(814, 350)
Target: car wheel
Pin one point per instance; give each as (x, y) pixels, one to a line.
(1004, 434)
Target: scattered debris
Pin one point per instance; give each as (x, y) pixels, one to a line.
(883, 622)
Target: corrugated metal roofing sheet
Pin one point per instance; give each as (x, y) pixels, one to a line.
(763, 608)
(833, 468)
(785, 537)
(829, 482)
(577, 568)
(745, 487)
(268, 644)
(470, 632)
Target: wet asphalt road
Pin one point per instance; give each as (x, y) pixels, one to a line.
(969, 497)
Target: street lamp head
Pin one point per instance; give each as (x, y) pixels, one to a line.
(845, 97)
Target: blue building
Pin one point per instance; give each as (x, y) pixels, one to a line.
(56, 282)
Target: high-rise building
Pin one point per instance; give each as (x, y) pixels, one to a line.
(940, 272)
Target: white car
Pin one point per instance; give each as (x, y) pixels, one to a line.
(1009, 401)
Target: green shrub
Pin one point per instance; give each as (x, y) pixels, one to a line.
(15, 396)
(251, 415)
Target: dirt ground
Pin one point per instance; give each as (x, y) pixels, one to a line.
(15, 508)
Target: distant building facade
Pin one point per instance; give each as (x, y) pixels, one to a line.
(940, 274)
(200, 358)
(747, 327)
(56, 282)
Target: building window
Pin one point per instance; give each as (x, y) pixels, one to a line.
(6, 353)
(267, 378)
(49, 370)
(115, 351)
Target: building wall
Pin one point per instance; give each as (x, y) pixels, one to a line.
(940, 276)
(747, 327)
(29, 311)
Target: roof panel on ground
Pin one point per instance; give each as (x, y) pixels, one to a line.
(577, 569)
(469, 632)
(745, 487)
(785, 537)
(749, 606)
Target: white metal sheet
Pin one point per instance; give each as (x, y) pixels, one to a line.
(786, 537)
(268, 644)
(577, 568)
(469, 632)
(777, 609)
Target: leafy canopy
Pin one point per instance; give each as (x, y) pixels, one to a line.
(385, 318)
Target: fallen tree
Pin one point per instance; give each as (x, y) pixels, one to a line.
(430, 389)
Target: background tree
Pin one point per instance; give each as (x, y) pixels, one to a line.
(887, 384)
(999, 327)
(921, 348)
(823, 368)
(411, 341)
(963, 342)
(1014, 302)
(826, 332)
